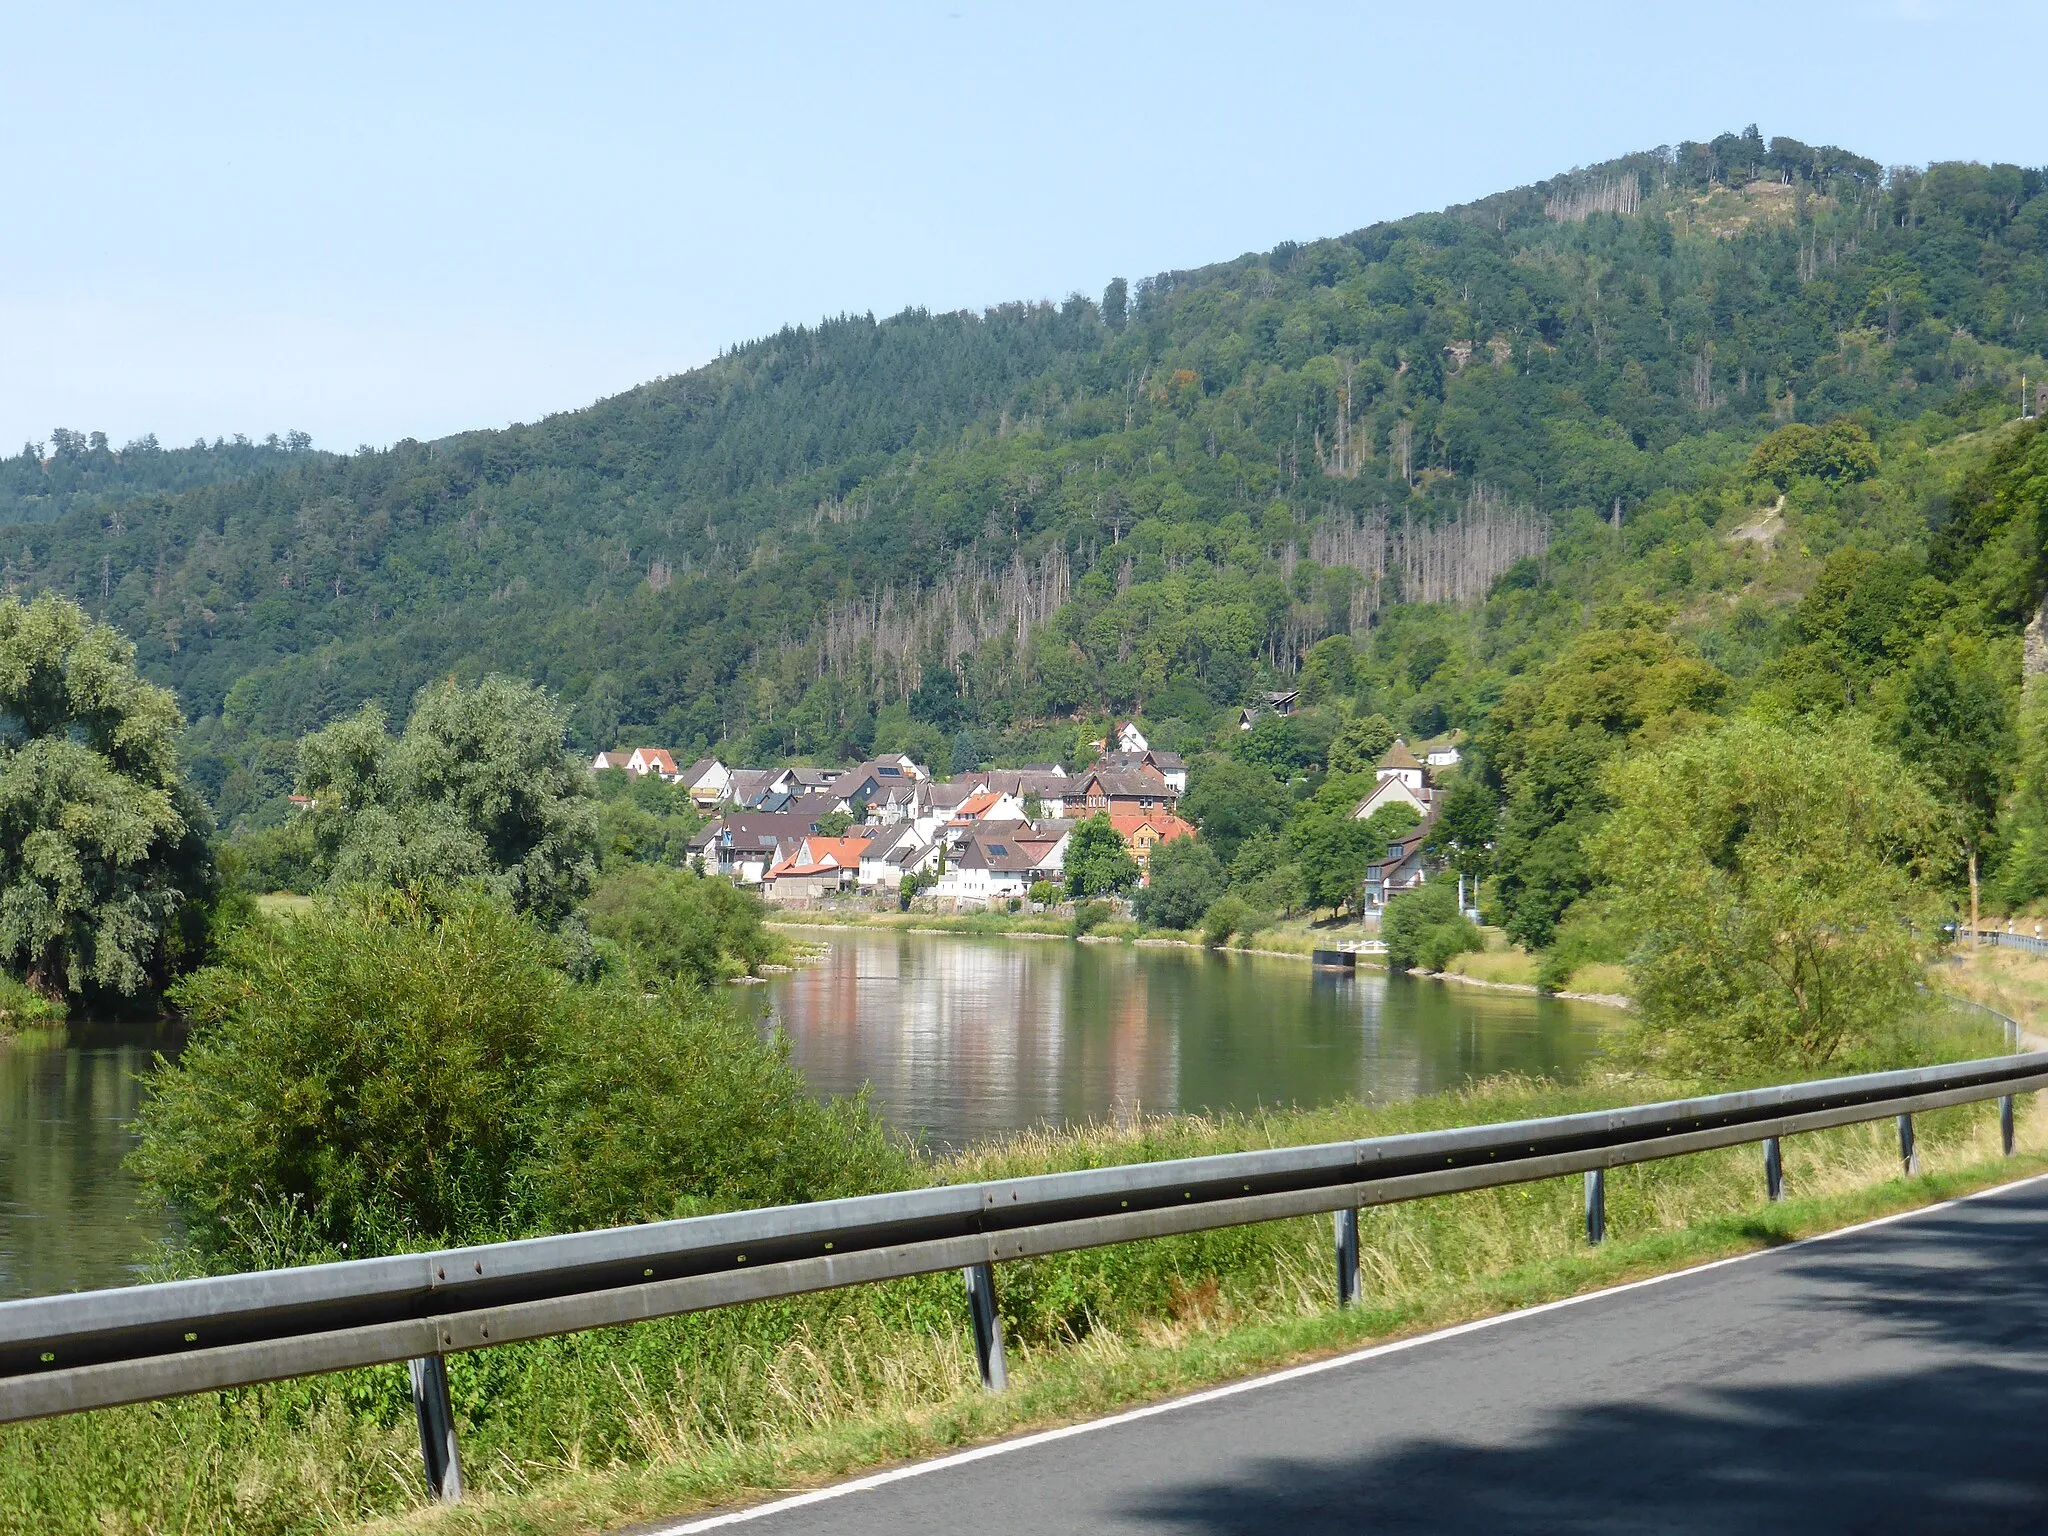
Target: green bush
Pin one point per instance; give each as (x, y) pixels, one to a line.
(678, 925)
(1184, 878)
(1091, 915)
(279, 858)
(23, 1007)
(379, 1073)
(1425, 928)
(1226, 915)
(1585, 937)
(1098, 863)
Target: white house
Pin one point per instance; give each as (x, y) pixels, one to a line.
(1442, 751)
(1130, 739)
(1403, 779)
(706, 781)
(890, 855)
(652, 760)
(989, 872)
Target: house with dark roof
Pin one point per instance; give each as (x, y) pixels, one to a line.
(1121, 789)
(748, 787)
(1402, 867)
(1171, 767)
(988, 871)
(885, 782)
(744, 845)
(1281, 702)
(892, 853)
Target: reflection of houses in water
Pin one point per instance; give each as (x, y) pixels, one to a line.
(1144, 1057)
(968, 1039)
(955, 1035)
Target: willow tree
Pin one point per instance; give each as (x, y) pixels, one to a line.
(102, 846)
(478, 786)
(1774, 883)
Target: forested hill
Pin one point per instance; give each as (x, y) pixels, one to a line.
(951, 527)
(79, 471)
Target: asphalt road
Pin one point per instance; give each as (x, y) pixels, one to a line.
(1889, 1379)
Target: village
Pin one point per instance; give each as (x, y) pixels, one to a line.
(990, 839)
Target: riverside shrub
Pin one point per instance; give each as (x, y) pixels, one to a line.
(678, 925)
(1425, 928)
(384, 1072)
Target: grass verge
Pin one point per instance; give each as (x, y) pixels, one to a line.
(1110, 1371)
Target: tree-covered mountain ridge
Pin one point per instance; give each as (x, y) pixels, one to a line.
(1160, 500)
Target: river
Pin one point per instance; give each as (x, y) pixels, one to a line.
(961, 1038)
(968, 1038)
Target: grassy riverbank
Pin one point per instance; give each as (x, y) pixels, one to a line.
(567, 1434)
(1501, 964)
(1293, 937)
(23, 1008)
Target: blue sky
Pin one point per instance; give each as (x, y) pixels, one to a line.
(402, 221)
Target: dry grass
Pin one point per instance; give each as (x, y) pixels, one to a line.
(1425, 1264)
(1601, 978)
(2010, 980)
(1515, 967)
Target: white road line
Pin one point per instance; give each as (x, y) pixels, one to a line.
(1292, 1373)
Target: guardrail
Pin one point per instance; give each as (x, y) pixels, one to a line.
(2026, 941)
(96, 1349)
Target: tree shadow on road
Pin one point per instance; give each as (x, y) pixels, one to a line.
(1954, 1445)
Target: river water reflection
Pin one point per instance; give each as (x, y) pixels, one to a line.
(69, 1217)
(969, 1038)
(962, 1038)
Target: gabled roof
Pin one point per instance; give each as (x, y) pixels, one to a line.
(756, 832)
(1021, 782)
(749, 784)
(1124, 784)
(657, 759)
(699, 771)
(820, 856)
(1398, 756)
(888, 841)
(1003, 856)
(977, 804)
(1148, 761)
(610, 760)
(1167, 825)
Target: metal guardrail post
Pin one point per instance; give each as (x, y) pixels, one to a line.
(1347, 1257)
(988, 1326)
(2005, 1124)
(1596, 1205)
(437, 1428)
(1774, 1170)
(1909, 1156)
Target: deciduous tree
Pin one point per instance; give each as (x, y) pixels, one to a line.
(103, 862)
